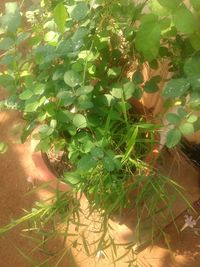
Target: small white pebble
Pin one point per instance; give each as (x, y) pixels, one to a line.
(100, 255)
(30, 180)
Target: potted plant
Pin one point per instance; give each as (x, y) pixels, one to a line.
(75, 70)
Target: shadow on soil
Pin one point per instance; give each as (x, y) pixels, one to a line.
(17, 175)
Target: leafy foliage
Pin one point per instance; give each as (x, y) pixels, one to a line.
(73, 69)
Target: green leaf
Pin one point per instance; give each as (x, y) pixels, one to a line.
(22, 37)
(182, 112)
(51, 37)
(173, 118)
(26, 94)
(97, 152)
(44, 145)
(114, 72)
(147, 39)
(46, 130)
(192, 118)
(80, 11)
(84, 90)
(195, 40)
(117, 92)
(108, 164)
(137, 77)
(87, 145)
(184, 20)
(12, 18)
(79, 121)
(176, 88)
(86, 163)
(194, 102)
(157, 8)
(192, 67)
(86, 245)
(31, 106)
(6, 43)
(53, 124)
(138, 93)
(84, 102)
(39, 88)
(63, 116)
(77, 67)
(195, 4)
(72, 78)
(11, 7)
(7, 59)
(151, 86)
(79, 34)
(3, 147)
(7, 82)
(173, 138)
(57, 75)
(170, 4)
(187, 128)
(129, 90)
(60, 16)
(67, 97)
(71, 178)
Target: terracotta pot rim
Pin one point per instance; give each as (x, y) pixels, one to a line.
(44, 171)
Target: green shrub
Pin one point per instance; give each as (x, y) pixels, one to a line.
(73, 68)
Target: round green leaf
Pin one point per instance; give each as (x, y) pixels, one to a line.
(171, 4)
(67, 97)
(176, 88)
(6, 43)
(86, 163)
(192, 118)
(173, 138)
(72, 78)
(57, 75)
(192, 67)
(108, 164)
(187, 128)
(137, 77)
(151, 86)
(80, 11)
(85, 90)
(12, 18)
(84, 102)
(184, 20)
(51, 37)
(173, 118)
(79, 121)
(181, 112)
(97, 152)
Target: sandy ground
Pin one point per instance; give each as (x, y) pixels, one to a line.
(17, 177)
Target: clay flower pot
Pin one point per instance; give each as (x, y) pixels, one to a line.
(44, 171)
